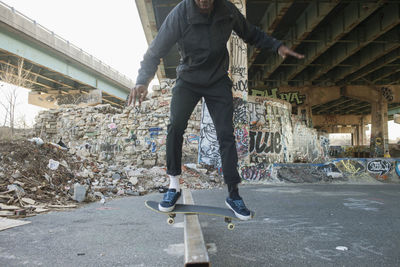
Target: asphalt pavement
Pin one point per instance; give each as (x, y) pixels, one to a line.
(295, 225)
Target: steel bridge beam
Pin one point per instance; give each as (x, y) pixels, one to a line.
(366, 57)
(376, 26)
(269, 22)
(377, 64)
(304, 25)
(351, 16)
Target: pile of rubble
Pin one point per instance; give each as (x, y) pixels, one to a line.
(37, 176)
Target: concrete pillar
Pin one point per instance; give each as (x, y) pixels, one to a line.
(355, 136)
(379, 144)
(361, 131)
(308, 108)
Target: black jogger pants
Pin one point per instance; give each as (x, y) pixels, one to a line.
(219, 101)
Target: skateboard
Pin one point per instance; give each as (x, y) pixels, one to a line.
(228, 215)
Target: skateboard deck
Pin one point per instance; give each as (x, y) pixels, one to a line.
(227, 214)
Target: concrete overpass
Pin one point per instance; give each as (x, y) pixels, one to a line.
(59, 68)
(350, 73)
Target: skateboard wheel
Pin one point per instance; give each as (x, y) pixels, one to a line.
(228, 220)
(231, 226)
(170, 221)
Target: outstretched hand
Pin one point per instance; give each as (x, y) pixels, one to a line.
(138, 92)
(284, 51)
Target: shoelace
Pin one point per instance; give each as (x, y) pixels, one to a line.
(169, 196)
(240, 204)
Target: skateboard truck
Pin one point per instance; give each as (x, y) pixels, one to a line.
(171, 221)
(190, 209)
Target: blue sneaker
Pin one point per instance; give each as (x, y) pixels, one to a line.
(239, 208)
(169, 200)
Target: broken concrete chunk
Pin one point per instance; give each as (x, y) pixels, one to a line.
(133, 180)
(28, 200)
(79, 192)
(53, 164)
(16, 188)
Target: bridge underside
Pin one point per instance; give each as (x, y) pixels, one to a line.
(344, 42)
(50, 84)
(351, 69)
(57, 67)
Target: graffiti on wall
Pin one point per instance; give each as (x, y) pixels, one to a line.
(239, 111)
(379, 166)
(257, 172)
(270, 131)
(208, 144)
(242, 142)
(350, 167)
(387, 93)
(397, 166)
(330, 169)
(265, 142)
(291, 97)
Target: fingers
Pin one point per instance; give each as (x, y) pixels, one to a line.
(143, 97)
(130, 97)
(284, 51)
(138, 92)
(296, 55)
(134, 96)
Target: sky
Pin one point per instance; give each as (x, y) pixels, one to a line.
(109, 30)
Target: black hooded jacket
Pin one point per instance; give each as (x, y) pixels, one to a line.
(201, 40)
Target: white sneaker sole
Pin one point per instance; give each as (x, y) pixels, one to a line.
(241, 217)
(163, 209)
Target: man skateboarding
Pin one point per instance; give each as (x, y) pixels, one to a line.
(201, 28)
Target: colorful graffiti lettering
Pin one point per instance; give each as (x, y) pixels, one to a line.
(397, 164)
(192, 138)
(350, 167)
(242, 142)
(292, 97)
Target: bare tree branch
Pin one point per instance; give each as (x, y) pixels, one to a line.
(15, 76)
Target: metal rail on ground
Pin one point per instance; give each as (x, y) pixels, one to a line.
(195, 248)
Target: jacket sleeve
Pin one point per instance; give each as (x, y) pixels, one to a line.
(252, 34)
(167, 36)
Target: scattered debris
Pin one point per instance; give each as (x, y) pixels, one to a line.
(342, 248)
(10, 223)
(37, 176)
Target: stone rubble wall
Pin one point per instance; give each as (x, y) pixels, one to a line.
(132, 136)
(137, 136)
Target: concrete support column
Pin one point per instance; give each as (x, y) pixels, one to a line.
(308, 108)
(379, 144)
(361, 131)
(355, 136)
